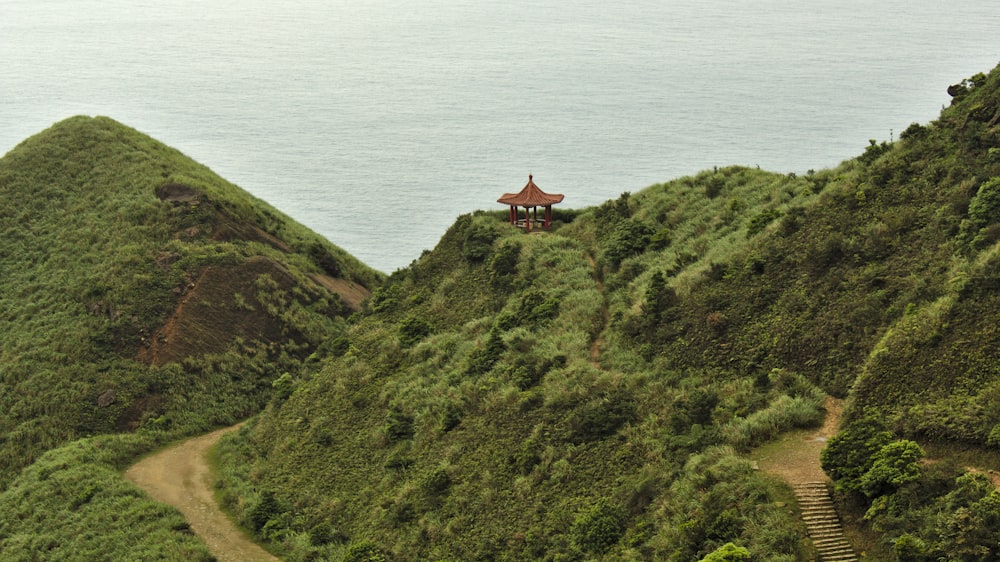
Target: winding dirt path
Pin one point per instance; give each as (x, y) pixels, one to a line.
(180, 476)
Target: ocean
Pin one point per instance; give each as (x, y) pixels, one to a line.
(377, 122)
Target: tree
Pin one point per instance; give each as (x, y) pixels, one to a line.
(893, 466)
(850, 454)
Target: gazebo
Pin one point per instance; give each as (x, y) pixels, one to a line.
(531, 198)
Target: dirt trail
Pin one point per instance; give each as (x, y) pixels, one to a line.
(180, 476)
(595, 346)
(795, 457)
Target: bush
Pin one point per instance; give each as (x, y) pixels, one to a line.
(984, 210)
(909, 548)
(760, 221)
(895, 464)
(412, 330)
(849, 455)
(628, 239)
(365, 551)
(477, 243)
(266, 509)
(599, 528)
(601, 417)
(728, 552)
(398, 425)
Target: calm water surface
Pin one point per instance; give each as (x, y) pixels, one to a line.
(377, 122)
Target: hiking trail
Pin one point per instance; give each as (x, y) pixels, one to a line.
(180, 476)
(796, 461)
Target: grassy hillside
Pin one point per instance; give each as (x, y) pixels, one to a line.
(142, 293)
(585, 393)
(588, 392)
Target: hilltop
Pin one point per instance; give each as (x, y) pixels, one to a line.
(590, 392)
(143, 293)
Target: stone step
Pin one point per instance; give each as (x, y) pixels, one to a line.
(823, 523)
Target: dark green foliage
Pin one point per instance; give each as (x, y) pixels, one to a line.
(535, 308)
(759, 221)
(850, 454)
(503, 264)
(451, 416)
(874, 150)
(893, 466)
(598, 528)
(695, 409)
(629, 238)
(413, 329)
(322, 255)
(283, 387)
(266, 509)
(483, 358)
(477, 242)
(527, 369)
(436, 483)
(728, 552)
(984, 211)
(601, 417)
(398, 425)
(365, 551)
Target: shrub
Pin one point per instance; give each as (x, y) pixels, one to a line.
(984, 210)
(909, 548)
(483, 358)
(477, 242)
(413, 329)
(629, 238)
(283, 387)
(398, 425)
(266, 509)
(503, 264)
(761, 220)
(849, 455)
(601, 417)
(364, 551)
(599, 528)
(728, 552)
(895, 464)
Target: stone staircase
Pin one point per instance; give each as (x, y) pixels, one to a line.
(823, 524)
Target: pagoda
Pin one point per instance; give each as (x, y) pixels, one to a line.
(531, 198)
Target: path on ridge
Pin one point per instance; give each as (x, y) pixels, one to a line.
(180, 476)
(595, 346)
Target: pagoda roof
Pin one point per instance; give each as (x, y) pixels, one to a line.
(531, 196)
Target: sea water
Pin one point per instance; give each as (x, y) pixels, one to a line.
(377, 122)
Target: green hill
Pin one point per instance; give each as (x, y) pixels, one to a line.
(141, 292)
(590, 392)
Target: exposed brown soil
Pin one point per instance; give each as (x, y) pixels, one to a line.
(181, 476)
(795, 457)
(208, 317)
(350, 292)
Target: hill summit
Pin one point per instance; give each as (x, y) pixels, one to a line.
(139, 288)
